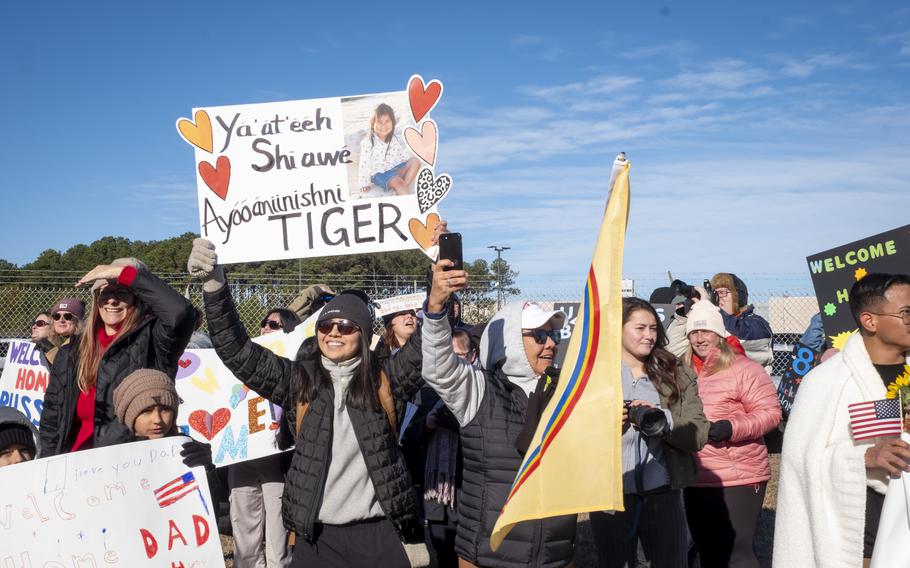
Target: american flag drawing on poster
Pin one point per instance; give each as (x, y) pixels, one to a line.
(176, 489)
(875, 418)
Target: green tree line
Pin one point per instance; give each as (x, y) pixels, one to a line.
(168, 256)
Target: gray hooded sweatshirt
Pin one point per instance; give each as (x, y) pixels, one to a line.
(460, 385)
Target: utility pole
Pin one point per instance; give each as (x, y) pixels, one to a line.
(498, 274)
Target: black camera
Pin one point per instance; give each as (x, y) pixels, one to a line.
(680, 288)
(652, 422)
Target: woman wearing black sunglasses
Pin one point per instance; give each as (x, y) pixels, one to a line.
(256, 486)
(135, 321)
(278, 319)
(497, 409)
(348, 496)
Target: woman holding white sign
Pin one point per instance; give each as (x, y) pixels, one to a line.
(348, 496)
(135, 321)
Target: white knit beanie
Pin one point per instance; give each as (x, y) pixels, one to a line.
(705, 316)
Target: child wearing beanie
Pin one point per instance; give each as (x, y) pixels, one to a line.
(146, 402)
(17, 437)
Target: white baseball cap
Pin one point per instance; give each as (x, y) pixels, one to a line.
(533, 316)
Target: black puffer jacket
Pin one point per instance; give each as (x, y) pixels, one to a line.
(277, 378)
(156, 343)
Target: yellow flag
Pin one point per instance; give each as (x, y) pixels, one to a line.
(574, 462)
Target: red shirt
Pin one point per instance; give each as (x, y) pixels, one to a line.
(84, 420)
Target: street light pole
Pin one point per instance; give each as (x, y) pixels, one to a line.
(499, 274)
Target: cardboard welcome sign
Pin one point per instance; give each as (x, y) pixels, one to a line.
(128, 505)
(24, 379)
(835, 271)
(319, 177)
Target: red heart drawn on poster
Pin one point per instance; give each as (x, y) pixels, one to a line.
(209, 424)
(217, 177)
(423, 99)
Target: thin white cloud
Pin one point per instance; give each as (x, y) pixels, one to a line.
(723, 75)
(808, 66)
(674, 49)
(602, 85)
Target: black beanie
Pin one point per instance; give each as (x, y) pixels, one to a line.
(352, 308)
(16, 434)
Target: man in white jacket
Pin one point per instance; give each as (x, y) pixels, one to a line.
(832, 487)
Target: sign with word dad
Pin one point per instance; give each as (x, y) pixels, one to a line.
(834, 271)
(220, 410)
(24, 379)
(128, 505)
(320, 177)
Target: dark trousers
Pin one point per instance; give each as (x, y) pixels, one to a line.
(722, 521)
(441, 543)
(650, 532)
(367, 544)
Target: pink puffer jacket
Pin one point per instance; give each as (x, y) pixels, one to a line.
(744, 395)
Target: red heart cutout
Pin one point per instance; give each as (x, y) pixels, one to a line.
(209, 424)
(217, 177)
(423, 99)
(184, 363)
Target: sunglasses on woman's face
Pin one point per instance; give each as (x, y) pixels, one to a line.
(345, 327)
(271, 324)
(40, 323)
(540, 335)
(65, 315)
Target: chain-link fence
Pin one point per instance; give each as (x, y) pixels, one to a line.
(22, 296)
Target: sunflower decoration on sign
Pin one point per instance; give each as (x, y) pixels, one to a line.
(900, 388)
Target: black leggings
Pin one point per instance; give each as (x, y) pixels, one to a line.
(722, 521)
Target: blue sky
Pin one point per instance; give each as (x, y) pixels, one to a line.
(759, 133)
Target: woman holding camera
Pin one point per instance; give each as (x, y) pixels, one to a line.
(663, 426)
(740, 400)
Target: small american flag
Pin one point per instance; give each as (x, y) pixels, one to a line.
(875, 418)
(176, 489)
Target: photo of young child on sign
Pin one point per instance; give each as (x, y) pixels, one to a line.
(382, 164)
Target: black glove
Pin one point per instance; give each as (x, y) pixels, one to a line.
(720, 431)
(196, 453)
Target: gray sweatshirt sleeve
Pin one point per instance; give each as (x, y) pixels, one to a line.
(458, 384)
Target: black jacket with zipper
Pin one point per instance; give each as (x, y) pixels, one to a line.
(278, 380)
(155, 343)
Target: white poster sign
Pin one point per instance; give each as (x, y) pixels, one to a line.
(130, 505)
(218, 409)
(401, 304)
(24, 379)
(318, 177)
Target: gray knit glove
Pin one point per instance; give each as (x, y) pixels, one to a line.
(203, 264)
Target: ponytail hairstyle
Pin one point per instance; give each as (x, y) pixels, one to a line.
(660, 365)
(90, 350)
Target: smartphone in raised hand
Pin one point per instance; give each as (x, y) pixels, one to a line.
(450, 249)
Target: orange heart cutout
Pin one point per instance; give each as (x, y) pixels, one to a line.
(425, 142)
(217, 177)
(199, 134)
(423, 232)
(422, 99)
